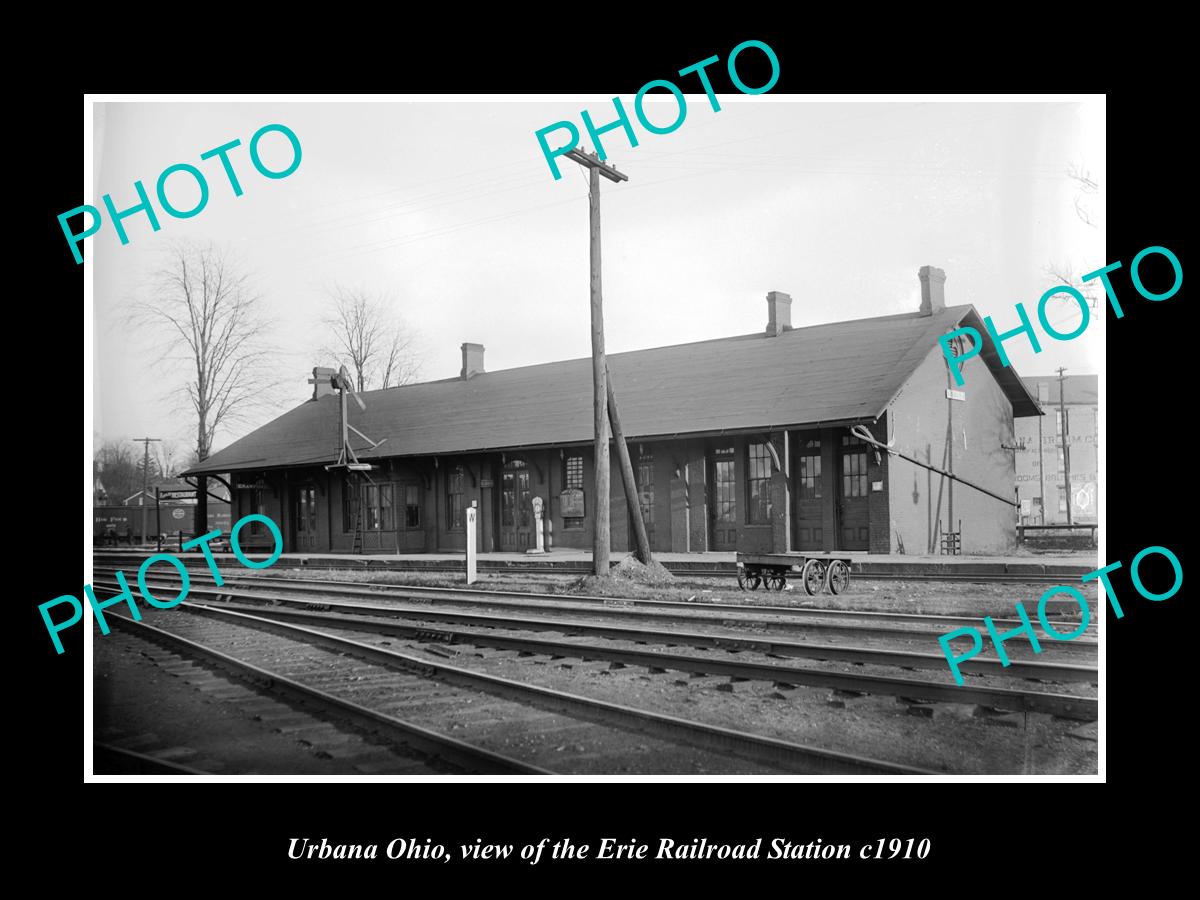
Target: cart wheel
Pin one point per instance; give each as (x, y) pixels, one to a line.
(813, 577)
(774, 581)
(838, 576)
(748, 579)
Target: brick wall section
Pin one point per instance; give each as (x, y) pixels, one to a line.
(981, 423)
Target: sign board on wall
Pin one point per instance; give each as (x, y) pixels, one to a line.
(177, 494)
(570, 502)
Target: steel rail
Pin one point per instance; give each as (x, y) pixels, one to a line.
(608, 607)
(758, 748)
(677, 569)
(134, 763)
(459, 753)
(1065, 705)
(1043, 670)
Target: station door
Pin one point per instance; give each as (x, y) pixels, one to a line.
(722, 498)
(854, 522)
(304, 518)
(809, 488)
(516, 507)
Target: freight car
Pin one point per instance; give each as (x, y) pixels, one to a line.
(113, 525)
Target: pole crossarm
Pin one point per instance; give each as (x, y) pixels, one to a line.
(592, 161)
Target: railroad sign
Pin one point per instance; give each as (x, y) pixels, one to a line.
(570, 502)
(177, 494)
(177, 513)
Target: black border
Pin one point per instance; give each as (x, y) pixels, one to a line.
(976, 828)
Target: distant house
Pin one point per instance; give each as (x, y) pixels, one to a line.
(737, 443)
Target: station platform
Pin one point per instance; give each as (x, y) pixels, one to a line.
(1067, 566)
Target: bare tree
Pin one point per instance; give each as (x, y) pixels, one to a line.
(1085, 190)
(167, 456)
(212, 323)
(115, 466)
(364, 331)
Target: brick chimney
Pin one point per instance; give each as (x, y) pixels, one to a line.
(779, 313)
(933, 290)
(472, 361)
(321, 381)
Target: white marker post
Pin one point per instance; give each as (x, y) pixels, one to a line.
(472, 576)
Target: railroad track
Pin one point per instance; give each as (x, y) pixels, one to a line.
(414, 622)
(846, 623)
(108, 759)
(679, 570)
(309, 714)
(509, 725)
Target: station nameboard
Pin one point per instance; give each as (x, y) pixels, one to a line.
(177, 494)
(570, 502)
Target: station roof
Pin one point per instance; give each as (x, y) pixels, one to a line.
(830, 374)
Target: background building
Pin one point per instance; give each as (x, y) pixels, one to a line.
(1041, 464)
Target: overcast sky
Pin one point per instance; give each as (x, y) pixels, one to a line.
(450, 209)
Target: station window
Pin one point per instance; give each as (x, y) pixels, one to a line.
(377, 507)
(758, 484)
(854, 474)
(573, 472)
(808, 479)
(412, 506)
(455, 489)
(725, 484)
(573, 478)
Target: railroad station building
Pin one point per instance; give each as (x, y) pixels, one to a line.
(738, 443)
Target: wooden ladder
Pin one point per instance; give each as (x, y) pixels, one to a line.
(358, 516)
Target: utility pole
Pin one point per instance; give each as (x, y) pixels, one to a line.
(600, 541)
(1041, 476)
(145, 477)
(1063, 431)
(632, 500)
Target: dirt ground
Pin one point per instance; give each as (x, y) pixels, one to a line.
(944, 737)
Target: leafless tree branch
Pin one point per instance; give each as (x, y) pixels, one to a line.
(364, 332)
(204, 311)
